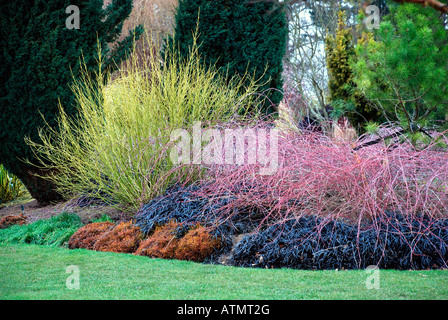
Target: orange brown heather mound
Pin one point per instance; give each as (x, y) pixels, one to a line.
(86, 237)
(8, 221)
(167, 242)
(125, 238)
(162, 243)
(197, 245)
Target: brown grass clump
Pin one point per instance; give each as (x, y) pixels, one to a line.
(8, 221)
(86, 237)
(162, 243)
(124, 238)
(197, 245)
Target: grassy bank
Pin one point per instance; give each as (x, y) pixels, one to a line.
(39, 272)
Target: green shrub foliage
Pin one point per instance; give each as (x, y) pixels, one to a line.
(404, 69)
(237, 36)
(55, 231)
(39, 59)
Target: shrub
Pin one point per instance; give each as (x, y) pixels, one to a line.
(8, 221)
(162, 243)
(197, 245)
(175, 240)
(55, 231)
(124, 237)
(332, 180)
(322, 177)
(403, 70)
(119, 149)
(86, 236)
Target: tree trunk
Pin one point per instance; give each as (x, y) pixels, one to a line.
(40, 189)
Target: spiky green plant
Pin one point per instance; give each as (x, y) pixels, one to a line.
(10, 186)
(55, 231)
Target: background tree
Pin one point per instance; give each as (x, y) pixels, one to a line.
(157, 18)
(438, 5)
(39, 59)
(310, 23)
(404, 69)
(304, 62)
(345, 97)
(239, 37)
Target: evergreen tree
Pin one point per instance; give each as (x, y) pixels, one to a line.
(346, 98)
(339, 50)
(382, 5)
(237, 36)
(404, 69)
(40, 56)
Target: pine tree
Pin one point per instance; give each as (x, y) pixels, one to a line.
(404, 69)
(237, 36)
(39, 59)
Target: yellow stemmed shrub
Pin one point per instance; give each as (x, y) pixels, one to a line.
(118, 147)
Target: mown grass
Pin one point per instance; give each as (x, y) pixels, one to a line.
(39, 272)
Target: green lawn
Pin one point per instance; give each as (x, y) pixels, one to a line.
(39, 272)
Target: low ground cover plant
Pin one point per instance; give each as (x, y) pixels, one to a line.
(162, 243)
(393, 242)
(172, 240)
(55, 231)
(86, 236)
(11, 220)
(124, 237)
(175, 240)
(197, 245)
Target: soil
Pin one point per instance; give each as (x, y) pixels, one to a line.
(34, 211)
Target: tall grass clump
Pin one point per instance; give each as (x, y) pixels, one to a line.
(118, 147)
(55, 231)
